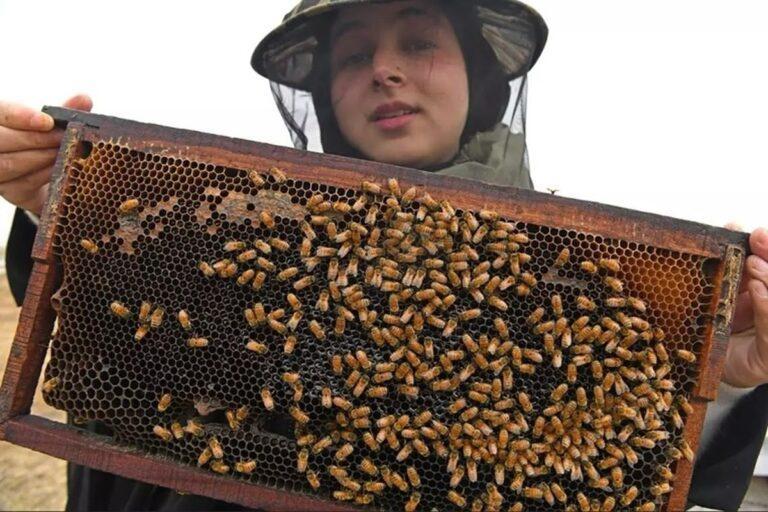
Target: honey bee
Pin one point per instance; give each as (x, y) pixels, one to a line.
(637, 304)
(302, 461)
(141, 332)
(562, 258)
(50, 384)
(302, 283)
(614, 284)
(144, 311)
(317, 330)
(246, 467)
(120, 310)
(163, 433)
(89, 245)
(611, 265)
(457, 499)
(164, 402)
(571, 373)
(215, 446)
(583, 502)
(344, 452)
(219, 467)
(583, 302)
(343, 495)
(371, 188)
(267, 219)
(128, 206)
(234, 245)
(377, 392)
(615, 302)
(279, 244)
(313, 479)
(558, 493)
(197, 342)
(266, 398)
(278, 175)
(686, 355)
(413, 502)
(157, 317)
(193, 428)
(256, 178)
(184, 320)
(297, 414)
(206, 269)
(588, 266)
(686, 450)
(204, 457)
(177, 430)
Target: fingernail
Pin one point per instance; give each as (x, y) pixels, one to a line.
(42, 121)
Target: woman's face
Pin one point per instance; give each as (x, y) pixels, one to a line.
(399, 85)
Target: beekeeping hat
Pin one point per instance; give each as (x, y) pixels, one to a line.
(501, 41)
(515, 32)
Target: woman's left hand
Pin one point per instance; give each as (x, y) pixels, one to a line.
(746, 362)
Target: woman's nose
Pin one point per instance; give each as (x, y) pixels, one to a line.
(387, 71)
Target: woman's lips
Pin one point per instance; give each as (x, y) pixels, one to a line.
(396, 121)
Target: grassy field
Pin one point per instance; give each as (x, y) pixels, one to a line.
(28, 480)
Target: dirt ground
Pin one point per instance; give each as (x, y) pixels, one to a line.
(28, 480)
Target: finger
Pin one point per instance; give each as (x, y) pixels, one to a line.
(20, 140)
(758, 243)
(757, 268)
(26, 185)
(743, 317)
(20, 117)
(734, 226)
(17, 164)
(79, 102)
(759, 292)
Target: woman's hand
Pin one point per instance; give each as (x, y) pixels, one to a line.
(28, 148)
(746, 362)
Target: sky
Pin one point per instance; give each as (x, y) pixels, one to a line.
(657, 106)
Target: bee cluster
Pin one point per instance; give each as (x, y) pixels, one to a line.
(385, 349)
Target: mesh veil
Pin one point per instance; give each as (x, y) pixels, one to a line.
(496, 102)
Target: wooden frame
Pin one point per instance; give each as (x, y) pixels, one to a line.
(30, 344)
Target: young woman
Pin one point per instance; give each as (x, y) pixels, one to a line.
(435, 85)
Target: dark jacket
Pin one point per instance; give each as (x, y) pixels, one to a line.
(723, 468)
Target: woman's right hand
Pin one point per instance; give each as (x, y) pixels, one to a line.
(28, 147)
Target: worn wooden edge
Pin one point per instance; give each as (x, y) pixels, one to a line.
(98, 452)
(525, 205)
(42, 250)
(30, 344)
(718, 332)
(684, 469)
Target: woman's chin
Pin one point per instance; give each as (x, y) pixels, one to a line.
(404, 157)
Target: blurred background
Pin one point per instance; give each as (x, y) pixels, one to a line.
(656, 106)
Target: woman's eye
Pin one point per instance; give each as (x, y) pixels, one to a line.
(355, 59)
(420, 45)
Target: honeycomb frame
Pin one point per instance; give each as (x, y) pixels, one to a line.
(697, 266)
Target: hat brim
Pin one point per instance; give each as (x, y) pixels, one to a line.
(516, 32)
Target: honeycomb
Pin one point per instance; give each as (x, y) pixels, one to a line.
(374, 344)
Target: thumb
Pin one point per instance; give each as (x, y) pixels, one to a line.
(79, 102)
